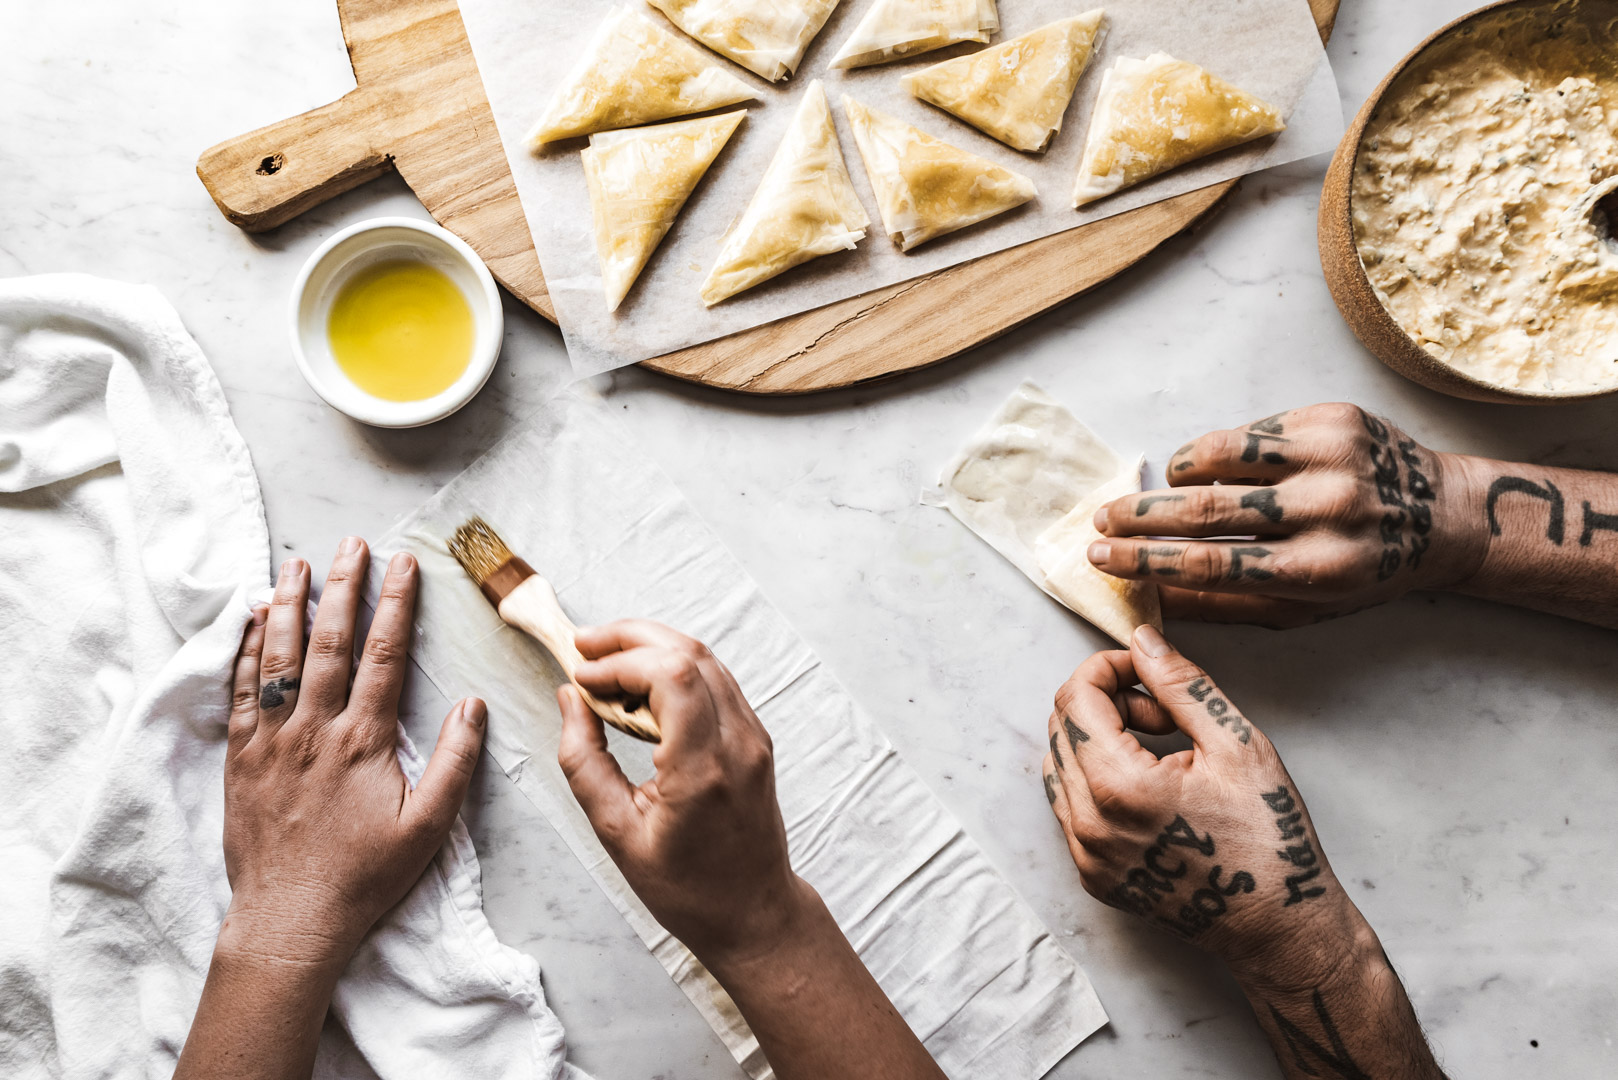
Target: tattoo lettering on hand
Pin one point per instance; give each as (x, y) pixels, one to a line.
(1050, 788)
(1221, 710)
(1301, 855)
(1075, 735)
(1270, 425)
(1335, 1058)
(1152, 500)
(274, 693)
(1146, 884)
(1183, 465)
(1595, 521)
(1518, 485)
(1254, 450)
(1263, 500)
(1056, 751)
(1252, 573)
(1403, 519)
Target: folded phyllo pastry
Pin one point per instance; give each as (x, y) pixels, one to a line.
(804, 207)
(767, 37)
(639, 178)
(1112, 604)
(1156, 114)
(924, 186)
(1017, 90)
(893, 29)
(633, 72)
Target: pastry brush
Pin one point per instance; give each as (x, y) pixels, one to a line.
(528, 602)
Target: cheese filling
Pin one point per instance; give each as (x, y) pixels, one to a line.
(1477, 204)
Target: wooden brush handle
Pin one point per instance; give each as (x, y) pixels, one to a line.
(532, 607)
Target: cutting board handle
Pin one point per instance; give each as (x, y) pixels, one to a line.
(272, 175)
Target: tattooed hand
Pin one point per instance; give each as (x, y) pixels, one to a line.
(1345, 511)
(1212, 844)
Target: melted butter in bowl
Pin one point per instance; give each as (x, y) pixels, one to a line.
(1480, 195)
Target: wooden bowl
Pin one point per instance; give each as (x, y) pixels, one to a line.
(1345, 274)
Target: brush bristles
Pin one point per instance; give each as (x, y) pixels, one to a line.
(479, 550)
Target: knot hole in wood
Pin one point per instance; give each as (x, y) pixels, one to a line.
(270, 165)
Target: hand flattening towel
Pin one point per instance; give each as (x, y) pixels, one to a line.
(131, 537)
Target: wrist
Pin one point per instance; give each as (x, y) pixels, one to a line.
(1334, 946)
(290, 935)
(1461, 540)
(798, 918)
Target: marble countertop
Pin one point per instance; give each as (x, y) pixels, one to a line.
(1457, 756)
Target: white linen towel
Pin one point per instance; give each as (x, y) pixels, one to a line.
(131, 537)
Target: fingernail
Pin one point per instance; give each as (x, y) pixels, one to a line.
(1100, 552)
(291, 568)
(260, 614)
(474, 711)
(401, 563)
(349, 546)
(1151, 641)
(1100, 520)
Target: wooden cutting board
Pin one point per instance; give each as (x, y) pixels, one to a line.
(418, 107)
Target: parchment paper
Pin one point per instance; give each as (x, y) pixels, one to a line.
(963, 958)
(524, 49)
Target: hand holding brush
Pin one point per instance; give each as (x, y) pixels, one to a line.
(528, 602)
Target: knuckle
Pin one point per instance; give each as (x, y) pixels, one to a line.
(1337, 499)
(277, 664)
(341, 574)
(1202, 563)
(244, 698)
(384, 651)
(1338, 414)
(328, 642)
(397, 590)
(1205, 508)
(680, 670)
(1067, 695)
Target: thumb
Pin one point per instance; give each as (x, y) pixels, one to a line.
(449, 771)
(1188, 695)
(604, 793)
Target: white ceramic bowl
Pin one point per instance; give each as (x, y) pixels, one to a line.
(358, 247)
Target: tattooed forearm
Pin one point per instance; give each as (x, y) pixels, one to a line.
(1595, 521)
(1299, 854)
(1520, 485)
(1310, 1057)
(275, 692)
(1221, 710)
(1164, 866)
